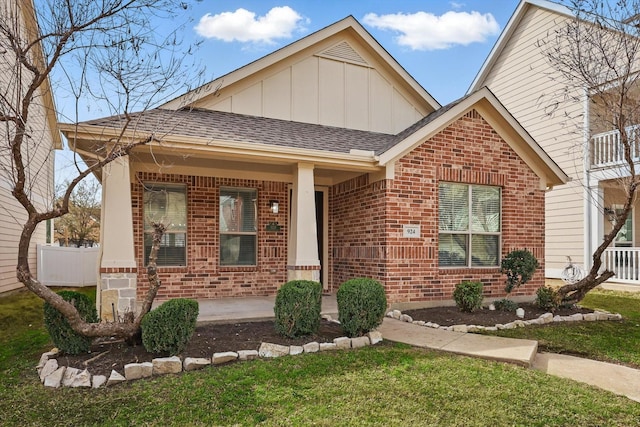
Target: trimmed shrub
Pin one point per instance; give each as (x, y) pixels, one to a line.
(506, 304)
(297, 308)
(168, 328)
(61, 333)
(468, 296)
(361, 305)
(519, 266)
(547, 298)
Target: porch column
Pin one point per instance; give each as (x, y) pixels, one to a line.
(595, 222)
(303, 262)
(118, 277)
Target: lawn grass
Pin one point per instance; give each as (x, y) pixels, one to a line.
(612, 341)
(382, 385)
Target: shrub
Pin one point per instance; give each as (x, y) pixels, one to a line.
(168, 328)
(297, 308)
(61, 333)
(468, 296)
(547, 298)
(519, 266)
(505, 304)
(361, 305)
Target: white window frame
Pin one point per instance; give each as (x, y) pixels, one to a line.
(170, 233)
(222, 232)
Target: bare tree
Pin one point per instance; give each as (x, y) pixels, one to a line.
(597, 54)
(81, 226)
(105, 53)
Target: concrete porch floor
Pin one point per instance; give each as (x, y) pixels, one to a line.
(247, 309)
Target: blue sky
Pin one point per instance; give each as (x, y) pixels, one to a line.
(441, 43)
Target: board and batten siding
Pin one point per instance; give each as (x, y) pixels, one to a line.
(520, 78)
(340, 84)
(38, 153)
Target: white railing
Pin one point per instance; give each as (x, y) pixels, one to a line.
(60, 266)
(607, 149)
(624, 262)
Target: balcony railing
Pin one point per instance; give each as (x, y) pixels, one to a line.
(607, 150)
(624, 262)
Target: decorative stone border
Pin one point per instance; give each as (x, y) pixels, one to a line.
(543, 319)
(52, 375)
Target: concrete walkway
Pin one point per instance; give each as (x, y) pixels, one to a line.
(618, 379)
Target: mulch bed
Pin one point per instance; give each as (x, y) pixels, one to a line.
(216, 338)
(207, 339)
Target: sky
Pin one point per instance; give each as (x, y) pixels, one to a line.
(441, 43)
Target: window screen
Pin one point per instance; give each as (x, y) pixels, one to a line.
(166, 204)
(238, 226)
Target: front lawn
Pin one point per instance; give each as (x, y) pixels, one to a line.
(617, 342)
(382, 385)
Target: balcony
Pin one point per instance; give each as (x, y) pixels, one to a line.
(607, 150)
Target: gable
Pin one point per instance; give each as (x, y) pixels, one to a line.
(336, 79)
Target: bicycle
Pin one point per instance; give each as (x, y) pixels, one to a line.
(572, 273)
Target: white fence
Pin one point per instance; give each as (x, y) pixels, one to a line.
(60, 266)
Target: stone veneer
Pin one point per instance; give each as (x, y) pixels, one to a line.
(118, 293)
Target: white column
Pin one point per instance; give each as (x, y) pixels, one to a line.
(303, 261)
(595, 202)
(116, 293)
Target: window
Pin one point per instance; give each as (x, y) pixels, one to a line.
(166, 204)
(624, 238)
(469, 225)
(238, 237)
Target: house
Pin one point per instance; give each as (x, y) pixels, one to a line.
(44, 137)
(323, 160)
(578, 214)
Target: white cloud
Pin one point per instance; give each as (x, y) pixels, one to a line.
(426, 31)
(243, 25)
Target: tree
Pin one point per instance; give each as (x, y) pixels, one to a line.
(105, 54)
(81, 225)
(598, 53)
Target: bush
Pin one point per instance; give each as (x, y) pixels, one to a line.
(297, 308)
(168, 328)
(468, 296)
(519, 266)
(361, 306)
(61, 333)
(547, 298)
(505, 304)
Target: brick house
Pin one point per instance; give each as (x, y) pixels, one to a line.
(324, 160)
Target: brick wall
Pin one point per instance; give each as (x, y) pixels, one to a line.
(203, 277)
(369, 217)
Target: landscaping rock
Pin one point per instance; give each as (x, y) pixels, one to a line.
(492, 307)
(248, 354)
(294, 350)
(134, 371)
(396, 314)
(76, 378)
(558, 318)
(98, 380)
(342, 343)
(520, 313)
(166, 365)
(590, 317)
(546, 318)
(272, 350)
(359, 342)
(311, 347)
(327, 346)
(194, 363)
(616, 316)
(54, 379)
(49, 367)
(406, 318)
(374, 337)
(224, 357)
(601, 315)
(115, 378)
(45, 358)
(577, 317)
(460, 328)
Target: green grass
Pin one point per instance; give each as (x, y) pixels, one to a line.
(612, 341)
(382, 385)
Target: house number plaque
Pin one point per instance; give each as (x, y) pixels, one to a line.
(273, 226)
(411, 231)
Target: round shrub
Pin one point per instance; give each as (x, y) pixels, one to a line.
(519, 266)
(297, 308)
(547, 298)
(168, 328)
(361, 306)
(468, 296)
(61, 333)
(506, 304)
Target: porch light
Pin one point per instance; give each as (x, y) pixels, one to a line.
(273, 205)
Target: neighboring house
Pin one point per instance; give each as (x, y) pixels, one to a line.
(39, 149)
(324, 160)
(577, 214)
